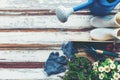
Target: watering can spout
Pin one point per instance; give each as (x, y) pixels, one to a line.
(63, 13)
(84, 5)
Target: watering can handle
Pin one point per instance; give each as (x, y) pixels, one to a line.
(82, 6)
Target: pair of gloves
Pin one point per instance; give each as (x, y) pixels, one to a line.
(55, 64)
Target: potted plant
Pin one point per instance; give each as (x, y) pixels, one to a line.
(79, 68)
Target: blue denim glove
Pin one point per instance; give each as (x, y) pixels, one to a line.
(69, 50)
(55, 64)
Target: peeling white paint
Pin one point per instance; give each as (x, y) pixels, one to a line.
(41, 37)
(25, 74)
(26, 55)
(74, 22)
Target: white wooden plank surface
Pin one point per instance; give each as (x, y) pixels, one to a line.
(26, 55)
(42, 37)
(25, 74)
(38, 4)
(36, 21)
(50, 21)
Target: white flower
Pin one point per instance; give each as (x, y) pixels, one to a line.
(107, 69)
(95, 64)
(112, 79)
(112, 66)
(95, 68)
(116, 76)
(101, 76)
(118, 67)
(111, 61)
(101, 69)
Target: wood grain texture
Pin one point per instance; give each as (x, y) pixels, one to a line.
(42, 46)
(22, 65)
(26, 55)
(38, 4)
(45, 30)
(26, 74)
(46, 21)
(41, 12)
(41, 37)
(30, 31)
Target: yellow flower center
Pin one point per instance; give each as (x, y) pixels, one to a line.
(107, 69)
(116, 76)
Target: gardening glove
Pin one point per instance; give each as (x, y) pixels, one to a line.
(69, 50)
(54, 65)
(62, 60)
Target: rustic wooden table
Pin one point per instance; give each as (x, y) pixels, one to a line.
(29, 31)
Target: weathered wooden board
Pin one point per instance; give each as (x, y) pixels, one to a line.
(43, 46)
(21, 65)
(42, 37)
(26, 12)
(29, 31)
(25, 58)
(25, 74)
(19, 17)
(26, 55)
(37, 4)
(46, 21)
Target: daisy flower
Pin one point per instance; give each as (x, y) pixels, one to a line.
(95, 64)
(101, 69)
(107, 69)
(112, 66)
(116, 76)
(118, 67)
(101, 76)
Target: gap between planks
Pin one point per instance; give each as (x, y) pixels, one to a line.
(42, 12)
(29, 46)
(22, 65)
(44, 30)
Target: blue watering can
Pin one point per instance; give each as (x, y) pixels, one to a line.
(97, 7)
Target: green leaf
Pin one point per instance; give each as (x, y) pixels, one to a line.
(116, 63)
